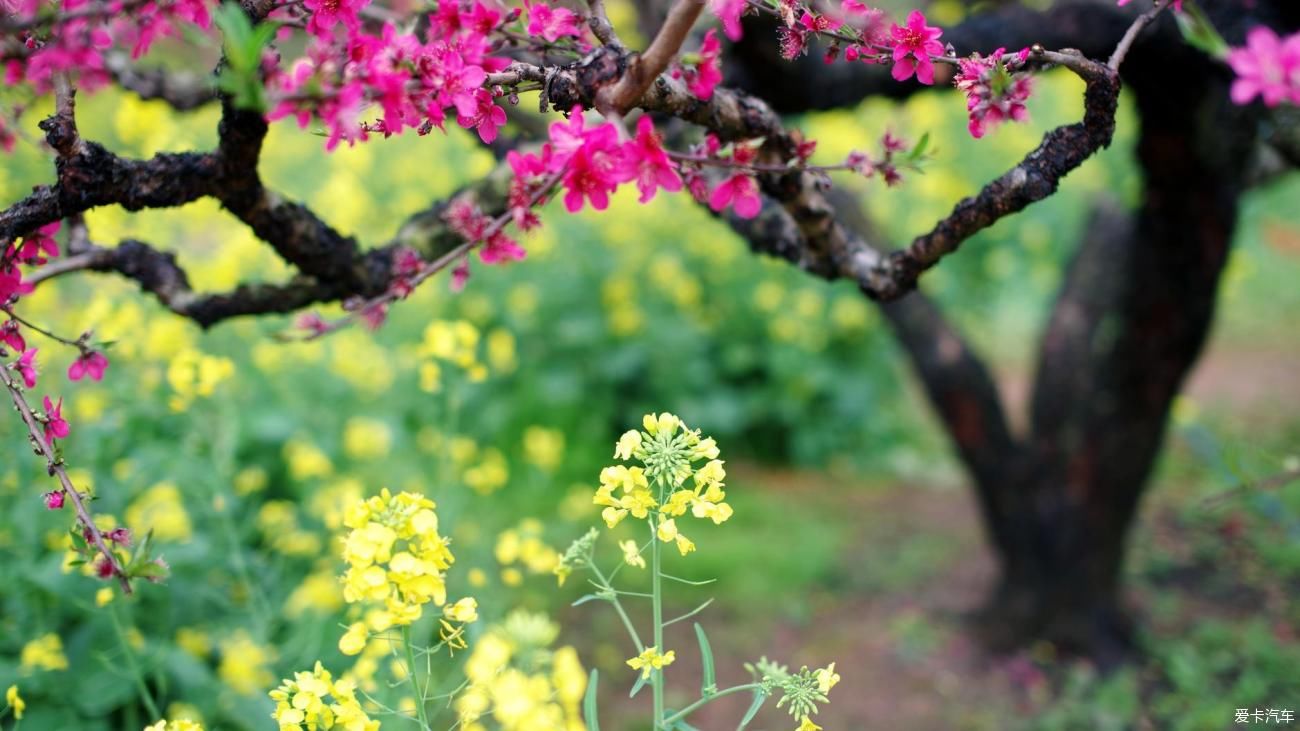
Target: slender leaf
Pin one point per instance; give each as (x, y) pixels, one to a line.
(585, 598)
(242, 43)
(1199, 32)
(589, 703)
(691, 613)
(641, 680)
(689, 582)
(759, 698)
(709, 685)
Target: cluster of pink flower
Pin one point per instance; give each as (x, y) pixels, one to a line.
(888, 164)
(857, 29)
(738, 191)
(1267, 67)
(31, 250)
(704, 71)
(415, 82)
(81, 32)
(36, 249)
(591, 162)
(994, 93)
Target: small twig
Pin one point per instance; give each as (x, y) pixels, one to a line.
(78, 344)
(1272, 482)
(95, 10)
(647, 67)
(437, 265)
(65, 108)
(55, 467)
(1130, 35)
(600, 26)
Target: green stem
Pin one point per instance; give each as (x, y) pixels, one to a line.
(145, 696)
(703, 701)
(410, 675)
(618, 607)
(657, 602)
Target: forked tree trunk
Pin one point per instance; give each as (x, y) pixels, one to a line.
(1127, 327)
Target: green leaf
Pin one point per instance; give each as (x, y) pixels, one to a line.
(1199, 32)
(759, 698)
(242, 43)
(236, 29)
(589, 703)
(921, 145)
(689, 582)
(709, 685)
(641, 680)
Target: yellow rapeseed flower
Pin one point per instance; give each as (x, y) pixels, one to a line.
(193, 375)
(194, 641)
(808, 725)
(317, 594)
(632, 554)
(245, 664)
(43, 653)
(250, 480)
(667, 450)
(314, 700)
(544, 447)
(15, 702)
(516, 683)
(827, 678)
(463, 610)
(306, 460)
(395, 555)
(160, 509)
(354, 640)
(651, 660)
(366, 438)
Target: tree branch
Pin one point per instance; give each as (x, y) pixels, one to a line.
(55, 467)
(182, 91)
(644, 69)
(598, 21)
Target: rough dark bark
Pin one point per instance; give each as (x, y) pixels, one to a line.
(1127, 327)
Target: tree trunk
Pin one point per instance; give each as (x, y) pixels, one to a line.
(1128, 325)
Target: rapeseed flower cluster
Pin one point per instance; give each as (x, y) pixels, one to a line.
(161, 510)
(245, 664)
(43, 653)
(455, 342)
(801, 692)
(667, 450)
(314, 700)
(395, 557)
(193, 374)
(521, 549)
(518, 682)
